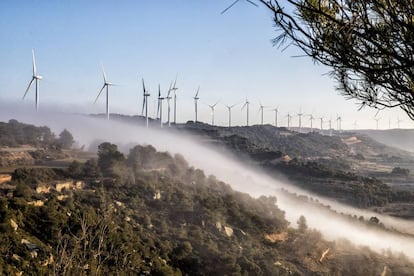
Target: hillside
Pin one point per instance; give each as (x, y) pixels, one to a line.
(150, 213)
(347, 167)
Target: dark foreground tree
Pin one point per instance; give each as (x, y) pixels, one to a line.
(369, 45)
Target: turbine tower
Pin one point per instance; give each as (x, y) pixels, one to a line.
(321, 119)
(338, 122)
(300, 114)
(160, 99)
(168, 98)
(289, 118)
(330, 126)
(196, 98)
(311, 118)
(261, 107)
(399, 121)
(377, 120)
(246, 104)
(146, 94)
(229, 107)
(355, 125)
(276, 110)
(174, 88)
(106, 85)
(235, 2)
(212, 112)
(35, 78)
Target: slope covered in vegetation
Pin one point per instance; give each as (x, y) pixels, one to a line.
(151, 213)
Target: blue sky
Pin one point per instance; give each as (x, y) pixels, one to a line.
(229, 56)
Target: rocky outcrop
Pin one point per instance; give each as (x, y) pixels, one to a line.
(36, 203)
(228, 231)
(323, 255)
(14, 225)
(275, 237)
(4, 178)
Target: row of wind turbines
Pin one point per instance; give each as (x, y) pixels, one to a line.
(173, 89)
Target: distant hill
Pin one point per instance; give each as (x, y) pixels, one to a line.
(399, 138)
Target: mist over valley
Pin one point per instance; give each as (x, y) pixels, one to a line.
(325, 179)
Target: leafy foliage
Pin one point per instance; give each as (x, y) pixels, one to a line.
(65, 140)
(367, 44)
(14, 133)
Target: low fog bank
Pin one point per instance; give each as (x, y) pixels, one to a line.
(226, 167)
(398, 138)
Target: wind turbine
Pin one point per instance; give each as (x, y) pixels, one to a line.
(330, 126)
(289, 118)
(174, 88)
(338, 122)
(321, 119)
(377, 120)
(261, 107)
(234, 3)
(276, 110)
(196, 98)
(229, 107)
(35, 78)
(145, 101)
(160, 99)
(311, 118)
(106, 85)
(300, 114)
(212, 112)
(168, 98)
(399, 121)
(246, 104)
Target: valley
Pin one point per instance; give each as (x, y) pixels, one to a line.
(189, 216)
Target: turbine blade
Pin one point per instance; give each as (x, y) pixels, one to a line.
(169, 89)
(143, 86)
(143, 105)
(159, 99)
(175, 82)
(103, 71)
(34, 63)
(198, 90)
(244, 105)
(100, 93)
(28, 87)
(229, 7)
